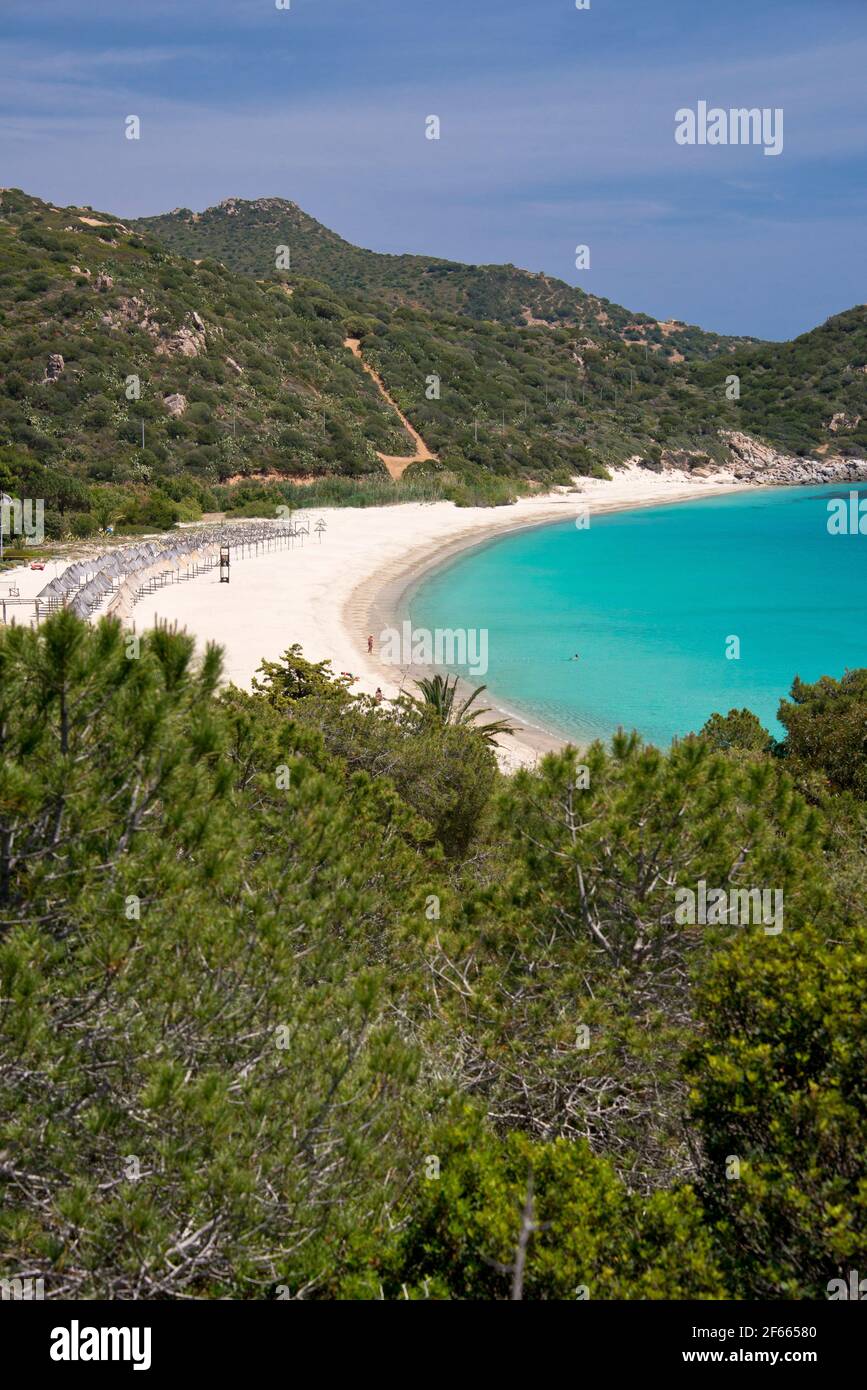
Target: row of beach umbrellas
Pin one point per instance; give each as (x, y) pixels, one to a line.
(128, 571)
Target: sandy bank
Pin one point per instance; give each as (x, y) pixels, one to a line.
(329, 595)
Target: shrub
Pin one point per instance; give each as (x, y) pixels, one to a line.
(778, 1095)
(584, 1235)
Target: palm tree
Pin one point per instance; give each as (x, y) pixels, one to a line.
(439, 696)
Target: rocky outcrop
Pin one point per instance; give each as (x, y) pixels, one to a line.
(842, 421)
(230, 362)
(54, 368)
(132, 311)
(103, 282)
(749, 455)
(751, 460)
(578, 348)
(183, 343)
(175, 405)
(187, 341)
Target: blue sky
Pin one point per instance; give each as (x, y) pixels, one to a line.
(557, 129)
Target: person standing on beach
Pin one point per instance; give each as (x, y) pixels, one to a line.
(370, 644)
(378, 697)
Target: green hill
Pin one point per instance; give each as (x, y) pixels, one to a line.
(233, 377)
(245, 236)
(143, 387)
(137, 383)
(809, 395)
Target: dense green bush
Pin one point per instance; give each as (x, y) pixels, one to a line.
(739, 729)
(518, 1218)
(204, 1083)
(300, 994)
(826, 730)
(446, 774)
(572, 996)
(778, 1096)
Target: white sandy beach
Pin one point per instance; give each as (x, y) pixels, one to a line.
(328, 595)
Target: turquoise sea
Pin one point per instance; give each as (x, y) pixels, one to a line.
(649, 599)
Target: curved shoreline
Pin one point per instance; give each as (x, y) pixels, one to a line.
(381, 600)
(358, 575)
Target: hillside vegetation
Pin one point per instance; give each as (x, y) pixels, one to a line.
(141, 387)
(233, 377)
(809, 395)
(303, 999)
(246, 234)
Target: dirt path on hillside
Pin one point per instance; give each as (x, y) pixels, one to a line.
(395, 463)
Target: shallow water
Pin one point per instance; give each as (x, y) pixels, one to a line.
(650, 599)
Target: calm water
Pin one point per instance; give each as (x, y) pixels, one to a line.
(648, 598)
